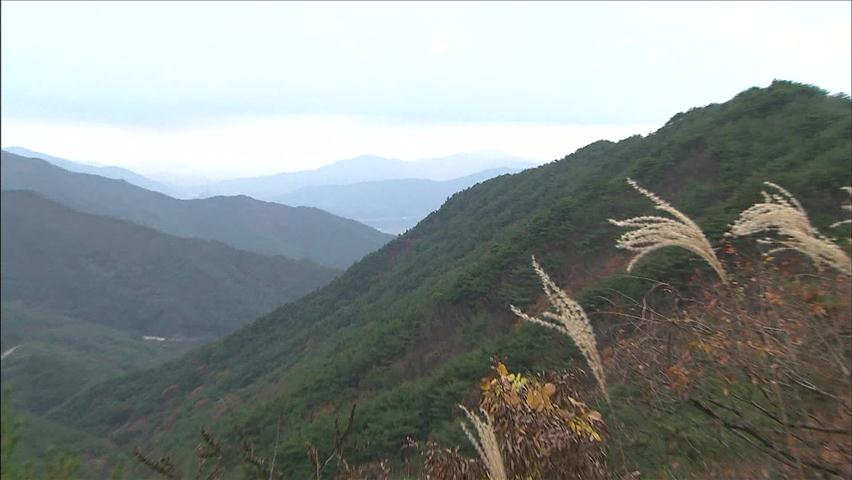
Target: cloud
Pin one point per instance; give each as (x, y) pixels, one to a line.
(440, 44)
(169, 63)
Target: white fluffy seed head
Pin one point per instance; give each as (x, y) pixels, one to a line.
(845, 206)
(780, 213)
(485, 443)
(652, 233)
(570, 320)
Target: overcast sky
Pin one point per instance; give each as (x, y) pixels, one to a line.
(223, 89)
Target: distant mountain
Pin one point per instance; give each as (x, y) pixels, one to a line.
(117, 173)
(242, 222)
(134, 278)
(392, 206)
(365, 169)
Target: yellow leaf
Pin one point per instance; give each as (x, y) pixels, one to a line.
(502, 370)
(534, 400)
(518, 382)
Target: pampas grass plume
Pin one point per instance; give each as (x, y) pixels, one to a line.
(570, 320)
(485, 443)
(847, 207)
(781, 213)
(651, 233)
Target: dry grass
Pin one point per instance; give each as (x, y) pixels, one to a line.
(766, 363)
(571, 320)
(847, 207)
(485, 443)
(653, 233)
(780, 213)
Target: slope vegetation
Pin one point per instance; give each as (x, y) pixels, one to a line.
(135, 279)
(407, 332)
(53, 356)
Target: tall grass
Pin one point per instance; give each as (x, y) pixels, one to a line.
(652, 233)
(571, 321)
(781, 214)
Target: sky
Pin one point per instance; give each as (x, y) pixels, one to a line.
(225, 89)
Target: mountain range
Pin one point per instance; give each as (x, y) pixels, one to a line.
(366, 168)
(407, 332)
(392, 206)
(113, 172)
(389, 195)
(241, 222)
(135, 278)
(82, 292)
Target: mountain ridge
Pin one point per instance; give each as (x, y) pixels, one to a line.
(242, 222)
(108, 171)
(366, 168)
(86, 298)
(46, 243)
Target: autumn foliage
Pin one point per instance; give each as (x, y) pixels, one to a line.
(542, 428)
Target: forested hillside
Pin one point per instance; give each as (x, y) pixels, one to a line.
(117, 173)
(130, 277)
(80, 293)
(408, 332)
(241, 222)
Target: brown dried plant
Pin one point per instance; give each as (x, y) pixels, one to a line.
(766, 365)
(544, 430)
(782, 214)
(536, 425)
(448, 463)
(571, 321)
(653, 233)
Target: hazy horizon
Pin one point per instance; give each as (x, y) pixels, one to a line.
(220, 89)
(178, 179)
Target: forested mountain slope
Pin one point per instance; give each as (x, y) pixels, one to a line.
(136, 279)
(117, 173)
(242, 222)
(408, 331)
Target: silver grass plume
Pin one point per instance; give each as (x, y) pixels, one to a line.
(571, 320)
(485, 443)
(782, 214)
(653, 233)
(847, 207)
